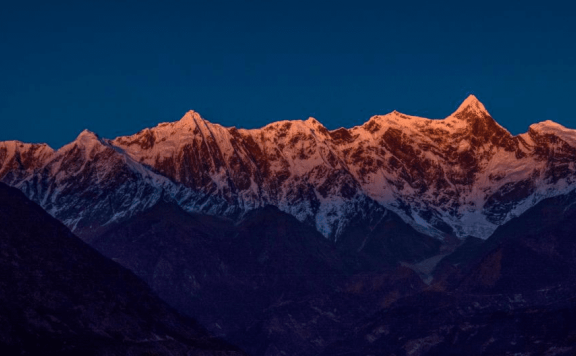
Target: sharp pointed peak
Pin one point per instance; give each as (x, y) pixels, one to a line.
(191, 115)
(85, 139)
(470, 105)
(193, 118)
(471, 98)
(312, 122)
(87, 134)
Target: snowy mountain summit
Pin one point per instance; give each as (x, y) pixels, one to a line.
(471, 106)
(460, 176)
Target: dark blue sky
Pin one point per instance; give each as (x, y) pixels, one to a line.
(117, 67)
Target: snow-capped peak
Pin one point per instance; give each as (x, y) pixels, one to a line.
(461, 175)
(470, 106)
(87, 141)
(311, 121)
(87, 138)
(191, 116)
(87, 134)
(549, 127)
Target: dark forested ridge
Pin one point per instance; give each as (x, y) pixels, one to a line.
(60, 297)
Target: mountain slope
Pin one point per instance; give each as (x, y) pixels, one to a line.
(460, 176)
(513, 294)
(533, 252)
(267, 282)
(60, 297)
(224, 275)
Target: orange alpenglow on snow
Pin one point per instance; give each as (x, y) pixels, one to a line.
(463, 175)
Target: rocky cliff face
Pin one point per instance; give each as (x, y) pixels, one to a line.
(460, 176)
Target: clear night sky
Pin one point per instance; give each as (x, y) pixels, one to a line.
(117, 67)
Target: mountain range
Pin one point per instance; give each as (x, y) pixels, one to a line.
(461, 176)
(402, 236)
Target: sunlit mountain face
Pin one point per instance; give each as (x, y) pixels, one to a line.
(461, 176)
(404, 235)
